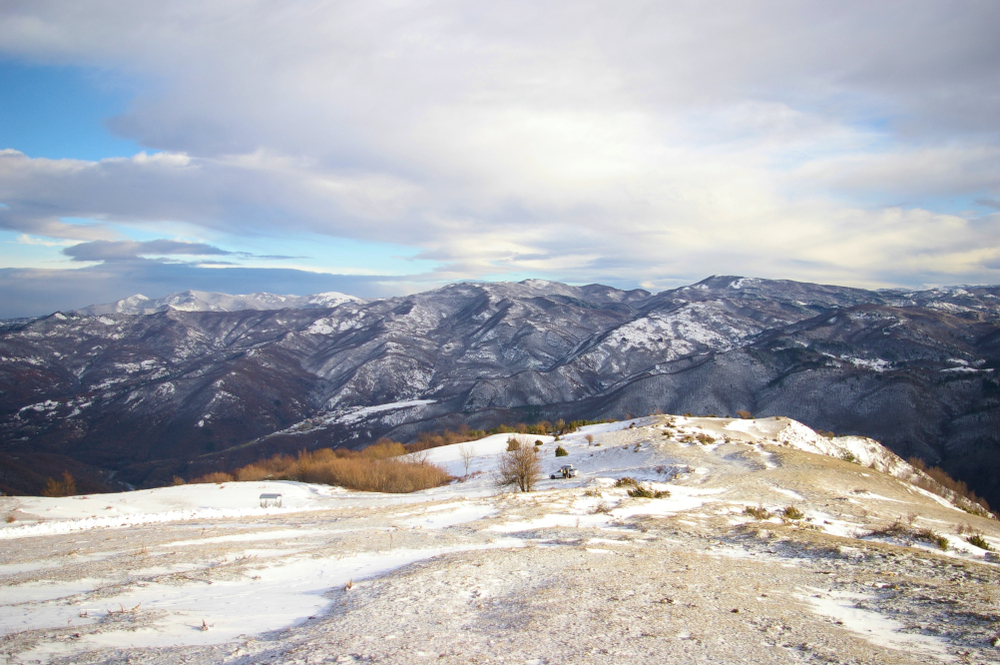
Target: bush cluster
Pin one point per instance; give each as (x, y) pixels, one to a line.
(941, 480)
(64, 487)
(377, 468)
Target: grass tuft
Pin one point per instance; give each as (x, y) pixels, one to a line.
(980, 542)
(640, 492)
(758, 512)
(792, 513)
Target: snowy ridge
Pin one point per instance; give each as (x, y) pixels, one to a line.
(785, 431)
(354, 576)
(202, 301)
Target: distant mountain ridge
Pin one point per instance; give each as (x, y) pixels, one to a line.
(167, 393)
(203, 301)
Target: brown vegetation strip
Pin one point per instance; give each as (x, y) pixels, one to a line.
(378, 468)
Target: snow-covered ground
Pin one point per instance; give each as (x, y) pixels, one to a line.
(576, 571)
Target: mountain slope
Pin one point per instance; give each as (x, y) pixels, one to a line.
(176, 392)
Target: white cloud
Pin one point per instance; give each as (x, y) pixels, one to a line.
(25, 239)
(640, 142)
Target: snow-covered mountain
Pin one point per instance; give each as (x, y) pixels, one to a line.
(202, 301)
(175, 392)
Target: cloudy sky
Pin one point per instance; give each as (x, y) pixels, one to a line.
(388, 147)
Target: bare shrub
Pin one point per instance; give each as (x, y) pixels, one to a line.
(520, 466)
(602, 507)
(177, 480)
(935, 479)
(745, 415)
(384, 449)
(64, 487)
(251, 472)
(590, 439)
(626, 481)
(214, 477)
(429, 440)
(421, 457)
(385, 466)
(894, 530)
(385, 475)
(467, 453)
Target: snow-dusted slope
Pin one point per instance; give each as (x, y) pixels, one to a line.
(202, 301)
(577, 571)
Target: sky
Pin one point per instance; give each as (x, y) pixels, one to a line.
(381, 148)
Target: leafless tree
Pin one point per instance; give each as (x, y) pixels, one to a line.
(468, 454)
(519, 466)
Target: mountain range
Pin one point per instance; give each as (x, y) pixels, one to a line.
(201, 301)
(140, 391)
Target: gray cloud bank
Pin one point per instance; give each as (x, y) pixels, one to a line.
(639, 143)
(126, 250)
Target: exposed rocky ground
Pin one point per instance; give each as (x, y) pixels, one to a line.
(141, 398)
(577, 571)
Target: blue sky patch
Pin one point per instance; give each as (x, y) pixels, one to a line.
(60, 112)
